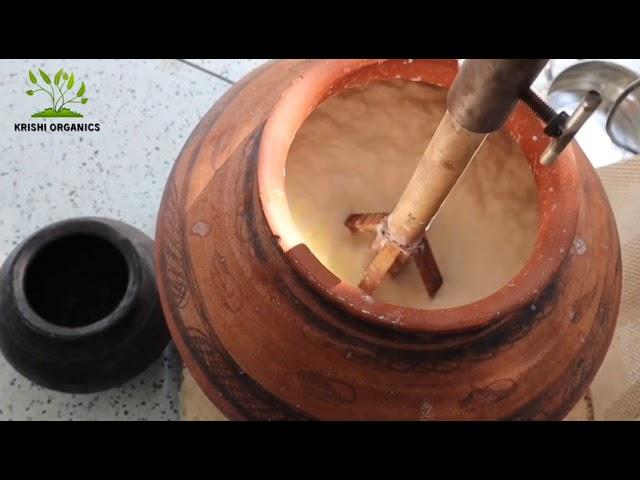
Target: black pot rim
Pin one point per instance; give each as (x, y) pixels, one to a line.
(91, 226)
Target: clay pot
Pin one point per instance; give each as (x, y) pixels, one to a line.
(79, 308)
(269, 333)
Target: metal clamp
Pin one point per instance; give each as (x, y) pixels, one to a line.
(561, 127)
(574, 123)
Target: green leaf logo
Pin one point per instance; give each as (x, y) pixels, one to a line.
(45, 77)
(56, 79)
(60, 99)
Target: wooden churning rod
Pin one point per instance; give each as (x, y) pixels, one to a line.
(481, 99)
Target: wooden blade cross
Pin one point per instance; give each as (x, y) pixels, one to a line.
(395, 257)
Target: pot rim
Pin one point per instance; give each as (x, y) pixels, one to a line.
(559, 194)
(90, 226)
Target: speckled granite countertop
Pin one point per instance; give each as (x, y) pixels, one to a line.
(146, 109)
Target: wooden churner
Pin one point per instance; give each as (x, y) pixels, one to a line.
(481, 99)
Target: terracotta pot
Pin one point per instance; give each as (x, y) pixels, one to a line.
(269, 333)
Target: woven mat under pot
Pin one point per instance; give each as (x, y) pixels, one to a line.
(615, 392)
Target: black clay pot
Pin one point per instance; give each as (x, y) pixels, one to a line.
(79, 308)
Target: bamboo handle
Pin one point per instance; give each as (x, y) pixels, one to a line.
(440, 167)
